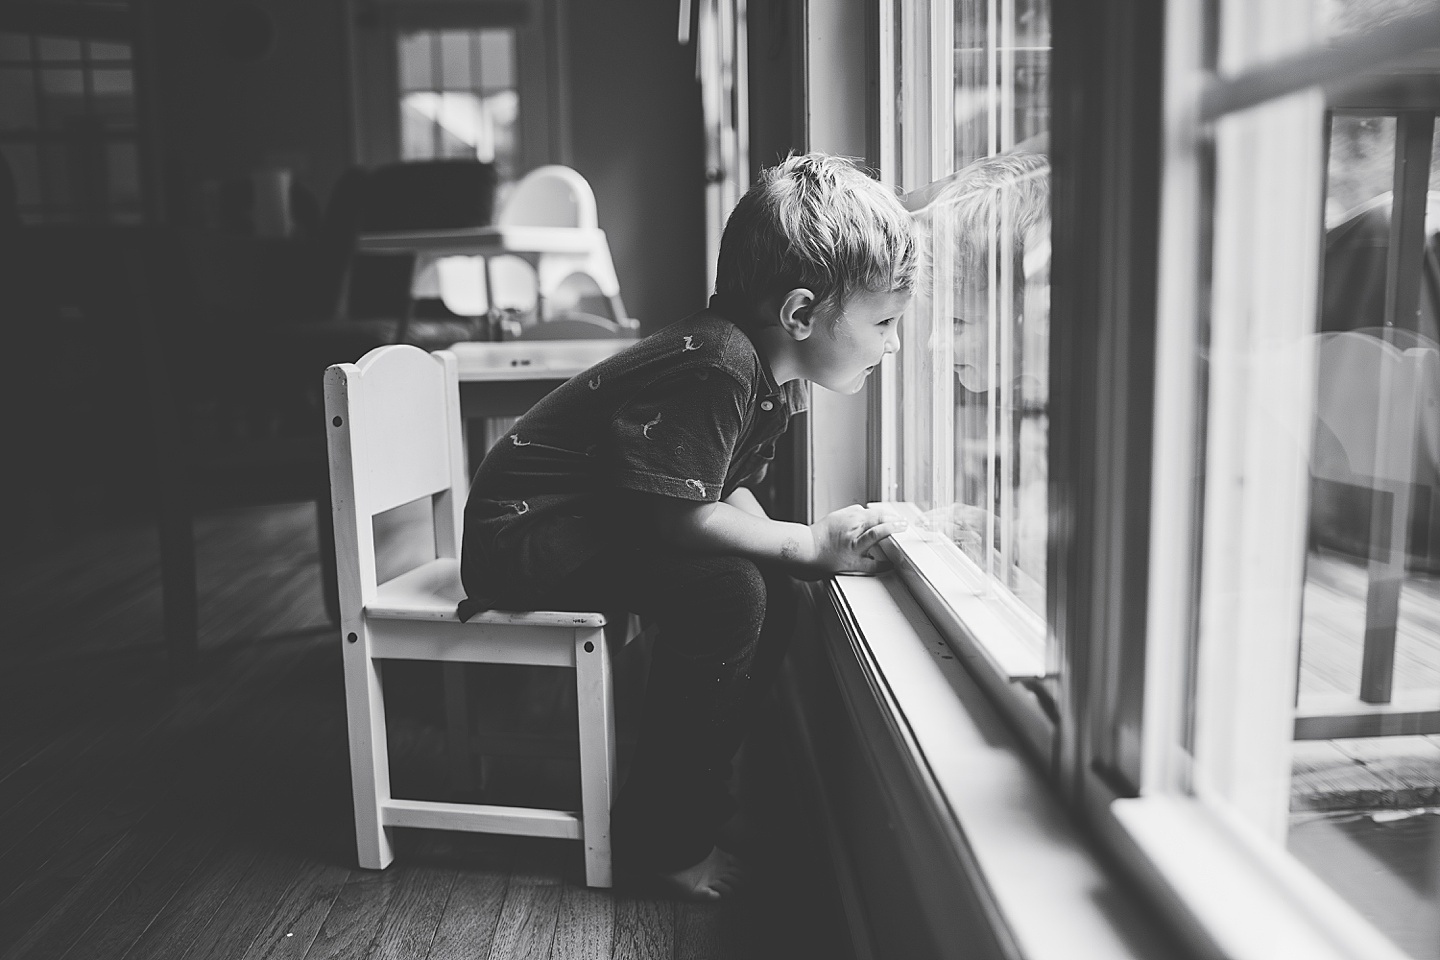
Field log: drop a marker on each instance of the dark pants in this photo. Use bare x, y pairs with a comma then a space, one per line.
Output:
723, 624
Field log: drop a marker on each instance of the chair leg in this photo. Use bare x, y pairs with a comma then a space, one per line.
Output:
457, 722
597, 751
369, 751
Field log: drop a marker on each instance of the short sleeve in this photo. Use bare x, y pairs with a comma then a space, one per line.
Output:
677, 436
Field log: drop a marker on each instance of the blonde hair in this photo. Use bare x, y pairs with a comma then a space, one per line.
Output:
820, 222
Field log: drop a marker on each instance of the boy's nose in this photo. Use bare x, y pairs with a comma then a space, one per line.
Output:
892, 342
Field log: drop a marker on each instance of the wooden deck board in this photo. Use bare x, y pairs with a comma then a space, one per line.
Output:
1377, 771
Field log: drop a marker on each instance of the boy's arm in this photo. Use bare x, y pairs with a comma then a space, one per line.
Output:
744, 499
842, 542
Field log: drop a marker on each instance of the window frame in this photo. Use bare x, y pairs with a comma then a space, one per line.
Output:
996, 632
372, 35
1187, 838
80, 190
1134, 91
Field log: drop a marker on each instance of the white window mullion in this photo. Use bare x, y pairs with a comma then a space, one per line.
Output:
942, 160
992, 55
1003, 398
1175, 454
1269, 181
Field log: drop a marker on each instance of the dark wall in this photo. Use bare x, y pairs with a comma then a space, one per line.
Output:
226, 110
633, 104
777, 81
637, 137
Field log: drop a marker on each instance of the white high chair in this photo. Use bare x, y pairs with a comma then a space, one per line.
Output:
558, 200
395, 437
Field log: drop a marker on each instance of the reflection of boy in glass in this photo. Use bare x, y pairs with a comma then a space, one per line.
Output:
989, 224
993, 206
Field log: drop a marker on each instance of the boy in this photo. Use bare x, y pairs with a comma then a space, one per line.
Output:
626, 488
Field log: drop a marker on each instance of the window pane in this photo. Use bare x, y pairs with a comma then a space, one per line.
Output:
417, 130
1362, 163
62, 97
416, 69
108, 51
975, 371
475, 110
455, 70
462, 124
59, 49
113, 97
497, 59
1371, 592
1317, 672
15, 47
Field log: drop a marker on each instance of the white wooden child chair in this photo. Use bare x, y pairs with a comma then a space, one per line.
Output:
395, 437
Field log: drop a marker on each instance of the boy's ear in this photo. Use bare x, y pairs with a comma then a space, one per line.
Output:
797, 313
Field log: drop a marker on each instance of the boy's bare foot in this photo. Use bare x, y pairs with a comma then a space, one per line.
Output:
718, 875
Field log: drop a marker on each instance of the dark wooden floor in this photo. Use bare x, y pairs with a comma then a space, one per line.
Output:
211, 818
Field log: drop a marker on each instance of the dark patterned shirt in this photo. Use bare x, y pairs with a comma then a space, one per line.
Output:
690, 412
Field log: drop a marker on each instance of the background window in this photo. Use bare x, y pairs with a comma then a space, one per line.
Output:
459, 96
68, 128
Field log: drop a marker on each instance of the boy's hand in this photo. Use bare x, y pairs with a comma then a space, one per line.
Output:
848, 541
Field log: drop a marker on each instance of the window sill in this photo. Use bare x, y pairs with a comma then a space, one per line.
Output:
1040, 883
1221, 892
1005, 653
1238, 896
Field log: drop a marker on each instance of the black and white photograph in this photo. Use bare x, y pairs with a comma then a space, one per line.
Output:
720, 480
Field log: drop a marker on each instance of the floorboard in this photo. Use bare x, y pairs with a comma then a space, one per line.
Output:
527, 918
585, 929
644, 929
210, 819
472, 914
124, 919
294, 925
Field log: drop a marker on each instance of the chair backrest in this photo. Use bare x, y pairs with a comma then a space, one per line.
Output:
394, 437
1365, 386
550, 196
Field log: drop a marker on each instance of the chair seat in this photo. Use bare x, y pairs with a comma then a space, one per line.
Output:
432, 590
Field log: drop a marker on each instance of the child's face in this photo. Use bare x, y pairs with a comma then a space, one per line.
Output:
842, 350
972, 335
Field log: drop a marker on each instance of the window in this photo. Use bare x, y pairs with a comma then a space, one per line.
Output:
1291, 626
1229, 613
68, 128
459, 96
721, 51
965, 408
